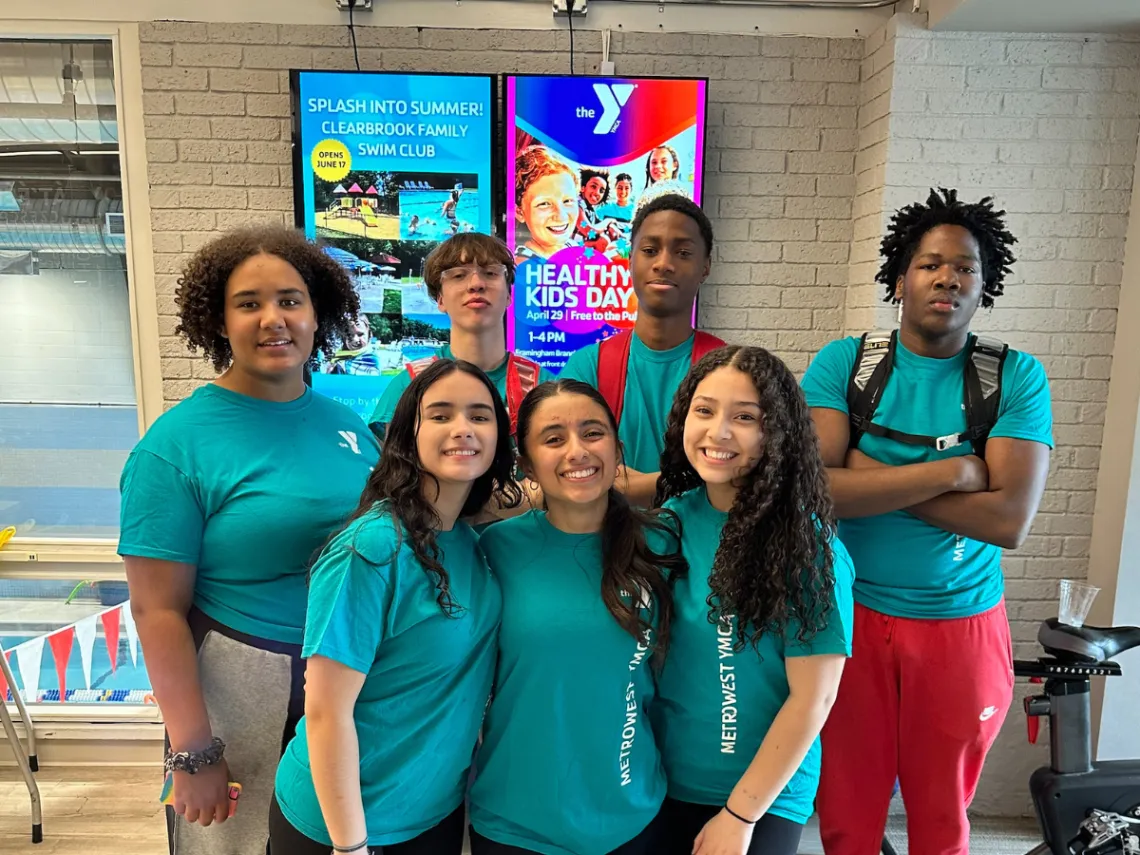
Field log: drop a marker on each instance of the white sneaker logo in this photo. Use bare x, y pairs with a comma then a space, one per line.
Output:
987, 714
349, 441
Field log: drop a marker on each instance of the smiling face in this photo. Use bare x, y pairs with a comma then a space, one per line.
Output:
549, 209
668, 264
358, 337
723, 437
624, 188
457, 434
661, 165
594, 190
571, 450
943, 285
269, 320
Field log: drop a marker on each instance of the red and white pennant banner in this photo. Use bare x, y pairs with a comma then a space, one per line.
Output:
29, 654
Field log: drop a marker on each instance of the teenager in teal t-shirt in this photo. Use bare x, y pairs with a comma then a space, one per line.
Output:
225, 500
672, 242
749, 682
401, 636
925, 526
568, 763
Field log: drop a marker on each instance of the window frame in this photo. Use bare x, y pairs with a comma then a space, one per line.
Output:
64, 557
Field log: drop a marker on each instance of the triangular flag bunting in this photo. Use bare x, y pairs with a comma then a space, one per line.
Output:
111, 634
132, 632
4, 683
61, 643
29, 655
85, 632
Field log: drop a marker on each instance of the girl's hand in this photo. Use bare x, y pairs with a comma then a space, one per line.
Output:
724, 834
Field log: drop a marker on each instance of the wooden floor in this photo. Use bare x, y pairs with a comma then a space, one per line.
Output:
91, 810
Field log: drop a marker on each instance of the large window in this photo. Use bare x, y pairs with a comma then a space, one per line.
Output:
68, 404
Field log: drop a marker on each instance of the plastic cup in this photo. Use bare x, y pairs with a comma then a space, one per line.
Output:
1076, 600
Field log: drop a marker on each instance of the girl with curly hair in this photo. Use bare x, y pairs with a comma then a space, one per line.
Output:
401, 635
762, 623
568, 762
225, 499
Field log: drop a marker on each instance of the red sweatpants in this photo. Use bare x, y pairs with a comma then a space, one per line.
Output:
920, 700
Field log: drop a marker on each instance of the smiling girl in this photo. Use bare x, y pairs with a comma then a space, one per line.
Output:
400, 637
763, 620
569, 765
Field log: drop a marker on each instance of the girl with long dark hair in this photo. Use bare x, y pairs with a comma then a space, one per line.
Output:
400, 637
762, 623
569, 764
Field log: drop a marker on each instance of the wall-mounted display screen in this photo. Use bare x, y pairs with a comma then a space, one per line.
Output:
582, 154
385, 167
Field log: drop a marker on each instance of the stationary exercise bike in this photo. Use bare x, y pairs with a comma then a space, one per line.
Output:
1084, 807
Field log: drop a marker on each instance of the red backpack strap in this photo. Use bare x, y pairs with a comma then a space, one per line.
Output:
417, 365
522, 376
613, 364
704, 343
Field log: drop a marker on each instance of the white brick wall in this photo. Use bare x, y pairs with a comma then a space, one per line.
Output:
812, 144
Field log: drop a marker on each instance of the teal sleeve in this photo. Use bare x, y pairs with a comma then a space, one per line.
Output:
386, 406
825, 383
349, 597
160, 515
1026, 410
545, 374
835, 638
582, 365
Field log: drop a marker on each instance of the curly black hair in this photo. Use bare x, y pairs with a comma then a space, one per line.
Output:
909, 224
201, 294
774, 562
396, 484
628, 561
680, 204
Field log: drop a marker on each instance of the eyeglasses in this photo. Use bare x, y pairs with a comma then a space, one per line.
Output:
462, 275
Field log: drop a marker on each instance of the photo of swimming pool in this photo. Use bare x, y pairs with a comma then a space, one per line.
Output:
426, 207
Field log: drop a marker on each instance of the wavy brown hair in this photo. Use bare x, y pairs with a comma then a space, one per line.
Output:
628, 562
774, 562
396, 484
201, 294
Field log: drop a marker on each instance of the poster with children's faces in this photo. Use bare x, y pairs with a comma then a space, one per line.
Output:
583, 154
386, 167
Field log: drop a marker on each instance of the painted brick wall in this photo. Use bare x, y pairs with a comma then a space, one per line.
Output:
779, 172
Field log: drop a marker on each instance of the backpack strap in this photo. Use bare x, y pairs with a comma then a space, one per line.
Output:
873, 363
982, 390
703, 343
417, 365
522, 376
613, 364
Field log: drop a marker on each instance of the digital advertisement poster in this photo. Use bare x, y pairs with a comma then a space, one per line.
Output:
583, 153
386, 167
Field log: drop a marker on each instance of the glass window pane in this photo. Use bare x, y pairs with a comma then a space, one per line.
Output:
49, 627
67, 395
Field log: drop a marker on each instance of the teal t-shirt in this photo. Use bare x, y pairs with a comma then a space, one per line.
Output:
247, 491
715, 705
904, 566
617, 212
372, 607
568, 764
386, 406
651, 381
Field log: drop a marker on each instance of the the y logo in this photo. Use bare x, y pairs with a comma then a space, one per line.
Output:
613, 98
349, 441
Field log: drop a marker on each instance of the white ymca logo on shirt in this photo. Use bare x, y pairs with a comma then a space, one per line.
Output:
350, 441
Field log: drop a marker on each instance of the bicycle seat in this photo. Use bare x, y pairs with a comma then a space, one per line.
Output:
1086, 643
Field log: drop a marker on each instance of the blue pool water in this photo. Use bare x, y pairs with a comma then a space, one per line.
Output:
428, 205
126, 677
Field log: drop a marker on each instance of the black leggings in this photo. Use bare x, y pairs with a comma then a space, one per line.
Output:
445, 839
643, 844
681, 822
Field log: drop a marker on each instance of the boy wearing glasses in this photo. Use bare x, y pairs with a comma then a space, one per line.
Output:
470, 276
